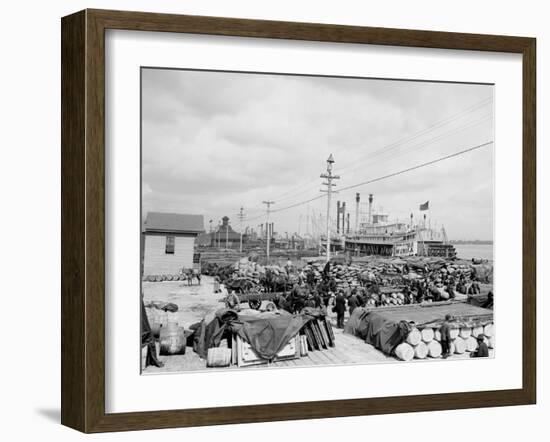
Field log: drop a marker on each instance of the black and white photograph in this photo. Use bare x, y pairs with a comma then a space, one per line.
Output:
299, 221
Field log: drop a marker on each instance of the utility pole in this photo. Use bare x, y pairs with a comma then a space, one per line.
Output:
241, 219
329, 177
226, 234
268, 226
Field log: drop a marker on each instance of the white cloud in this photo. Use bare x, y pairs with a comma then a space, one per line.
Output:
213, 142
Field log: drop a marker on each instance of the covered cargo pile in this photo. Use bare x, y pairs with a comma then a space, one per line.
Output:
413, 331
266, 333
395, 271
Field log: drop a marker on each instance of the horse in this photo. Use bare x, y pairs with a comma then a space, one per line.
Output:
190, 274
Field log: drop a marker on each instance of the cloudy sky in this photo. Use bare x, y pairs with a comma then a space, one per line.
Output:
215, 141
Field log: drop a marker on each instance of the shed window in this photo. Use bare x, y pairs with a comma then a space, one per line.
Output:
170, 244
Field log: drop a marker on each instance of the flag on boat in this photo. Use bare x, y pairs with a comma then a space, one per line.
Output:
425, 206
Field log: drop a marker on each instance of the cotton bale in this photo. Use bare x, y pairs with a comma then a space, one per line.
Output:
414, 337
437, 335
459, 346
454, 332
434, 349
489, 330
420, 350
427, 334
465, 332
404, 352
476, 331
471, 344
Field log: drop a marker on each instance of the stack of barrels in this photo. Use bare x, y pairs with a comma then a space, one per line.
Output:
425, 342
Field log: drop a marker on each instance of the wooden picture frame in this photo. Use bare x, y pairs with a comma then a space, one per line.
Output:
83, 220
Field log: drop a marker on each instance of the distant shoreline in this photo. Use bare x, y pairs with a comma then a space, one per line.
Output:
475, 242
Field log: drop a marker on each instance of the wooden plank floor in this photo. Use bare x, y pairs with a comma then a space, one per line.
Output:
348, 350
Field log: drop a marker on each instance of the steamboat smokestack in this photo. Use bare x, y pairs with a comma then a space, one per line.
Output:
338, 209
343, 218
357, 201
370, 208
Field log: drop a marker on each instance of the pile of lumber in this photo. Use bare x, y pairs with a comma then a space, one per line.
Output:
318, 334
220, 257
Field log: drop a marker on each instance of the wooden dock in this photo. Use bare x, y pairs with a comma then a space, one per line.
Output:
348, 350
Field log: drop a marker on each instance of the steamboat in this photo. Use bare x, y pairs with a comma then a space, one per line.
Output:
375, 234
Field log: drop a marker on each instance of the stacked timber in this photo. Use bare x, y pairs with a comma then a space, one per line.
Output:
318, 334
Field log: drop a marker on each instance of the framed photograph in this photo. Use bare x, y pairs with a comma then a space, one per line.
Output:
267, 221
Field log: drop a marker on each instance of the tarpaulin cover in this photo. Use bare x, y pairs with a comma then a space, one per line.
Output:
483, 272
212, 329
483, 301
376, 329
148, 339
267, 332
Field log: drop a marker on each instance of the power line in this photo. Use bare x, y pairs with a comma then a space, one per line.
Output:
429, 141
428, 129
396, 144
456, 154
418, 166
412, 148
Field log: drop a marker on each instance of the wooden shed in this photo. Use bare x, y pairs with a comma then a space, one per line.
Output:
169, 242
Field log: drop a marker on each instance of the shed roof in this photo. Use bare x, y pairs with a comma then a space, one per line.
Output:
174, 222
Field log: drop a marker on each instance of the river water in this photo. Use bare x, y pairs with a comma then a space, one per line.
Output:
469, 251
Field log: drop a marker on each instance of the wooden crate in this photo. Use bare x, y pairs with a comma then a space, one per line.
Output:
245, 354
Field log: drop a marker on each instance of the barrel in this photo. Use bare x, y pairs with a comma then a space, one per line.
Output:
465, 332
172, 339
477, 331
420, 350
454, 332
404, 351
471, 344
459, 346
414, 337
489, 330
434, 349
427, 334
452, 348
218, 357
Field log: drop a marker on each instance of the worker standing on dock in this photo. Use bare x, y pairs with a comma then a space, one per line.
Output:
445, 331
352, 302
340, 309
